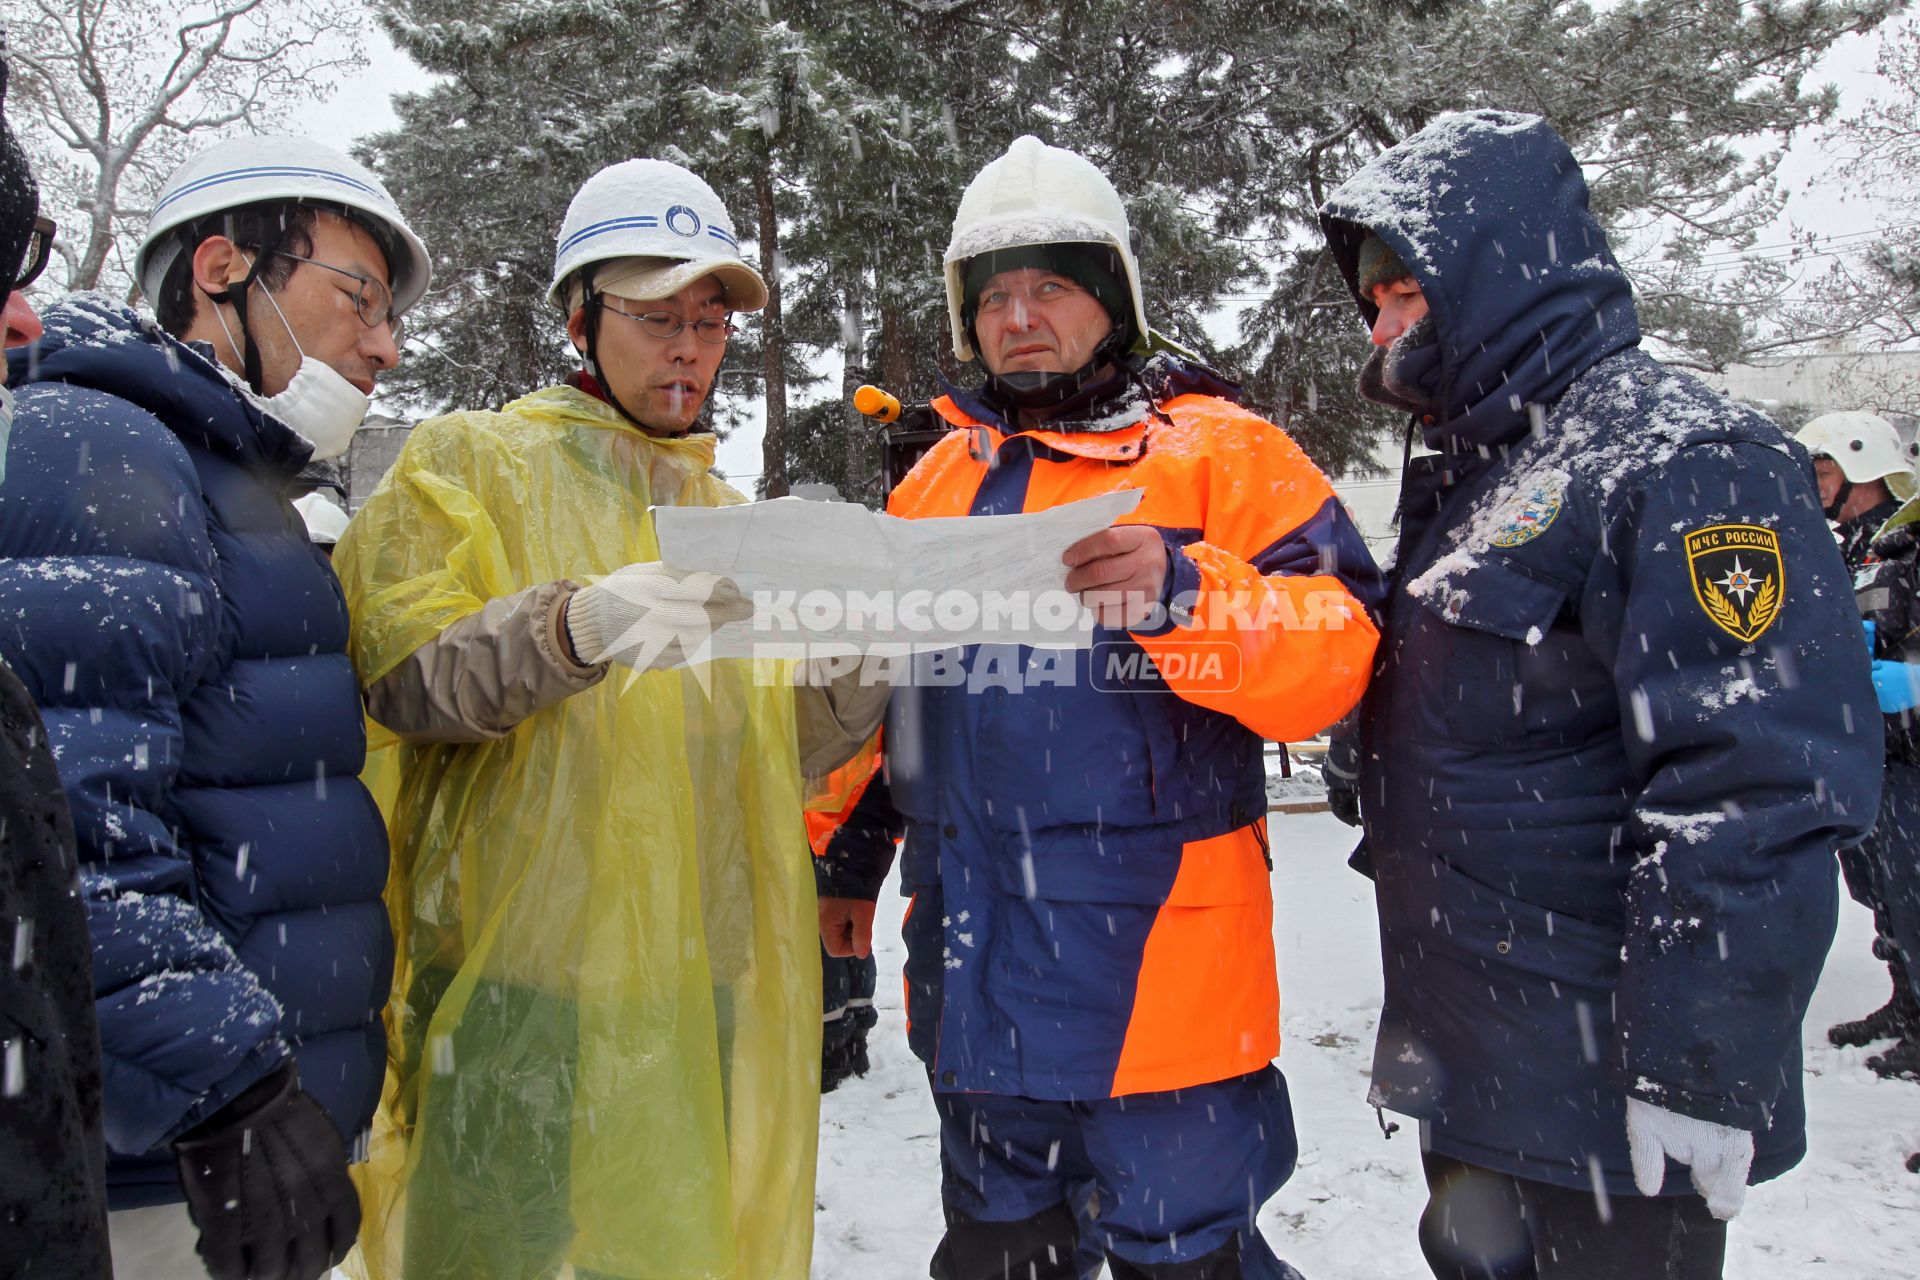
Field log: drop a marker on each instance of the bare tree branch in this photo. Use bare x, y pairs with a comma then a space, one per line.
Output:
113, 94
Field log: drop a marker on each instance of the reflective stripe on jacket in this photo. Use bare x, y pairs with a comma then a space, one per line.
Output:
1086, 838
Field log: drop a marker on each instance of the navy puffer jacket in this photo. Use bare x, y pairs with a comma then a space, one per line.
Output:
1620, 716
187, 648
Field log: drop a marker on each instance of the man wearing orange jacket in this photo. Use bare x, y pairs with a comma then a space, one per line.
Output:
1090, 971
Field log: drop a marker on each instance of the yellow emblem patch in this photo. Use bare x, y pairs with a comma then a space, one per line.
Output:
1738, 577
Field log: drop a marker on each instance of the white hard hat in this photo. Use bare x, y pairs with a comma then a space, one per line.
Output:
1036, 194
325, 520
652, 209
263, 170
1865, 446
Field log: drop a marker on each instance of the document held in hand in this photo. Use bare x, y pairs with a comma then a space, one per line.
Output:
837, 574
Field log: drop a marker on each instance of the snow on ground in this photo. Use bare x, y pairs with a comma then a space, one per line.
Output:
1850, 1210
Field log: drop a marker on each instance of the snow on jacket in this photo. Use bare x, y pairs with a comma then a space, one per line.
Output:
1620, 718
187, 647
1086, 839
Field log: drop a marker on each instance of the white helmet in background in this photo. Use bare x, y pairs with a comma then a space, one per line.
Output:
1865, 446
324, 518
1036, 195
663, 215
265, 170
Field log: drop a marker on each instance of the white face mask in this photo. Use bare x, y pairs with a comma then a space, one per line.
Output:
6, 428
321, 406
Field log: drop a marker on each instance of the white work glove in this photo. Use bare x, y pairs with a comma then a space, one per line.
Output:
1717, 1155
650, 617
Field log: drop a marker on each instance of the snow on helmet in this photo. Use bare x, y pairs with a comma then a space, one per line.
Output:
1036, 194
654, 209
263, 170
1865, 446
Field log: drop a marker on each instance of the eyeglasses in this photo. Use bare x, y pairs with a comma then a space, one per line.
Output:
39, 249
659, 324
372, 301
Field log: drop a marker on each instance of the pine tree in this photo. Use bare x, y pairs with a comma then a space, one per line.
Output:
842, 134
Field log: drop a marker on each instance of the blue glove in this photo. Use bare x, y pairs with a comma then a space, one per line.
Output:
1897, 685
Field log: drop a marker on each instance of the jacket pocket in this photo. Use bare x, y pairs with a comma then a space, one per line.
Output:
1486, 627
1071, 754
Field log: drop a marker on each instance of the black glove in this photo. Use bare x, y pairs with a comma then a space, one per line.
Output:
1344, 803
1340, 771
266, 1183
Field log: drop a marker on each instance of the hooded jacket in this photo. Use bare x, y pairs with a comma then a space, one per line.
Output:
1086, 837
187, 647
1612, 735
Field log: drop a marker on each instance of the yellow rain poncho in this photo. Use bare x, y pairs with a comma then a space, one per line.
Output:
604, 1035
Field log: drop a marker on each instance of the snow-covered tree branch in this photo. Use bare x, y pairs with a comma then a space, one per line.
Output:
110, 95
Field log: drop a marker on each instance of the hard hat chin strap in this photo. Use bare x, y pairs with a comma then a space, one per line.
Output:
1063, 392
236, 296
1845, 491
590, 299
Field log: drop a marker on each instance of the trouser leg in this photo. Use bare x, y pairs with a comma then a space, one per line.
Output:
1883, 875
1899, 877
1474, 1226
1182, 1176
1638, 1237
490, 1197
1006, 1165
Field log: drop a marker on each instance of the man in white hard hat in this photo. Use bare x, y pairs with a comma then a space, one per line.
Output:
606, 1003
187, 646
1090, 969
1862, 466
1865, 472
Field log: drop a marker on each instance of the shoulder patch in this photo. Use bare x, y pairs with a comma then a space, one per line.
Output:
1738, 577
1529, 517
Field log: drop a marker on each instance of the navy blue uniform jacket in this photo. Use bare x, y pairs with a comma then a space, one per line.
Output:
187, 648
1620, 717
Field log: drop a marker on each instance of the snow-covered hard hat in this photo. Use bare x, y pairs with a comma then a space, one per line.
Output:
266, 170
1036, 195
664, 218
1865, 446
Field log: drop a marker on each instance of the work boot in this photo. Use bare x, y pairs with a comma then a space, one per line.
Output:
843, 1062
1899, 1016
1902, 1062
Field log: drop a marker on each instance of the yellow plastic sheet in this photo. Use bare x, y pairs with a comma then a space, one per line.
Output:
604, 1036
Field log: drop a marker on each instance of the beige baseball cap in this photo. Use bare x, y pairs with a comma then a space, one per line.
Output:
651, 279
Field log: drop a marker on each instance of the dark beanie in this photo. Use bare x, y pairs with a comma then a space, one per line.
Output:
1379, 265
19, 196
1094, 267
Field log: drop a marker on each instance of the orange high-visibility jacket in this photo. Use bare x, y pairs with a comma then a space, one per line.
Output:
1086, 843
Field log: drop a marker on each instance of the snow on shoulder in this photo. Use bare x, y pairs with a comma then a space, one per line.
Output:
1586, 448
